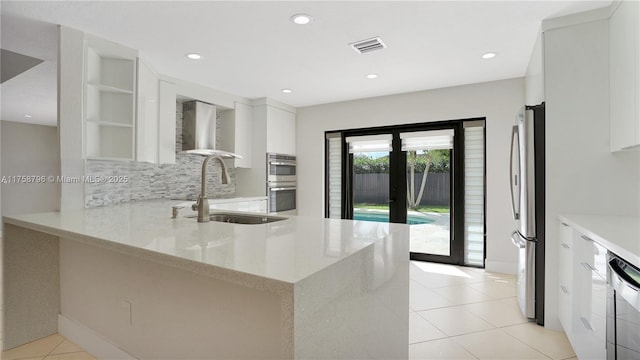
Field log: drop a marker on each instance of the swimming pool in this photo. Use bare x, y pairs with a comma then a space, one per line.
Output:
384, 217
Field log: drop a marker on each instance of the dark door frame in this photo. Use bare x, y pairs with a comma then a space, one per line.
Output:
397, 181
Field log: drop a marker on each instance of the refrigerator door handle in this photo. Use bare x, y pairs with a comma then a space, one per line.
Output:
514, 134
517, 241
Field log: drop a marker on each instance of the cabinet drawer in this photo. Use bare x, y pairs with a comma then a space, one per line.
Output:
565, 276
590, 255
565, 308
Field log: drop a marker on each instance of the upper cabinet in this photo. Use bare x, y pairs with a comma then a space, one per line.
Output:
109, 101
147, 113
166, 122
281, 131
624, 40
236, 134
124, 106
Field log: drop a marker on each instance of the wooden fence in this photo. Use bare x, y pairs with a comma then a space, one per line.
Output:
374, 188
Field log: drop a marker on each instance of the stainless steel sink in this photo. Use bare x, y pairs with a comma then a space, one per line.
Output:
245, 219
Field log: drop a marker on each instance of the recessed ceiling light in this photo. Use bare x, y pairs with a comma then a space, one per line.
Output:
287, 91
489, 55
27, 115
301, 19
372, 76
194, 56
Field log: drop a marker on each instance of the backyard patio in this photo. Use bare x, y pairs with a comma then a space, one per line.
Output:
429, 231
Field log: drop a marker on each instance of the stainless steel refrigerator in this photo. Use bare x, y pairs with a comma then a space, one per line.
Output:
527, 200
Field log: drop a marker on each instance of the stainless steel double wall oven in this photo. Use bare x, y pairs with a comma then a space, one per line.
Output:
281, 183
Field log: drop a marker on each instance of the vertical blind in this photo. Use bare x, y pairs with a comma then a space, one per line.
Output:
334, 159
474, 193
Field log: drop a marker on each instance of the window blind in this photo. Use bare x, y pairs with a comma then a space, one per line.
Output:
369, 143
334, 158
474, 194
427, 140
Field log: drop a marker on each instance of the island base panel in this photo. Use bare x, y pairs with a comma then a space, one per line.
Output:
152, 310
30, 291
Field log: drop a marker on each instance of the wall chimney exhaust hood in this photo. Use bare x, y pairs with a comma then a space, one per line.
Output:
199, 130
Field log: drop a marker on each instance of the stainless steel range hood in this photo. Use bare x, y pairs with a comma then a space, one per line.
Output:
199, 130
198, 126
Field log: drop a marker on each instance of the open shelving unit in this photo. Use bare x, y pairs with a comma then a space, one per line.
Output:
109, 112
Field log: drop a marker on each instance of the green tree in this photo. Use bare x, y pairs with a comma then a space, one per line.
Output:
423, 163
366, 164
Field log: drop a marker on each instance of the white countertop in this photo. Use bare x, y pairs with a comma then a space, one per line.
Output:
619, 234
286, 251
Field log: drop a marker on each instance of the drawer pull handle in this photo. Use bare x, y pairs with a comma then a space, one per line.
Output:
564, 289
586, 324
587, 266
564, 224
564, 245
585, 237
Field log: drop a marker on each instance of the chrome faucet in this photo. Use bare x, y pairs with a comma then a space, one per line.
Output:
202, 205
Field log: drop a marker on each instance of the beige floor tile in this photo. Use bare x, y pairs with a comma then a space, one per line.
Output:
497, 289
461, 294
36, 348
496, 344
455, 321
71, 356
421, 330
432, 281
421, 298
66, 347
439, 349
499, 313
491, 276
551, 343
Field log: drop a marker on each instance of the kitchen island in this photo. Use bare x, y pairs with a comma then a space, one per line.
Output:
150, 286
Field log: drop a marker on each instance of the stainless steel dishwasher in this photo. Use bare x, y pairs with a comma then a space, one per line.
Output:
623, 309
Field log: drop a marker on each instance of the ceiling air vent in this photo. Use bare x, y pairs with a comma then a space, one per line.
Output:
368, 45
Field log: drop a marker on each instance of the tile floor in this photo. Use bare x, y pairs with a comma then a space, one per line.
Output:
54, 347
468, 313
455, 313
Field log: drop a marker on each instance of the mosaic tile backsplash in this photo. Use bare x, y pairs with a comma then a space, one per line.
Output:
157, 181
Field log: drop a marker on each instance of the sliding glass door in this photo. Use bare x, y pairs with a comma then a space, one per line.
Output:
429, 157
412, 174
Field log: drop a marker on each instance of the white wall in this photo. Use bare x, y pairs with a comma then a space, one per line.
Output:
582, 175
534, 77
498, 101
30, 150
70, 95
1, 173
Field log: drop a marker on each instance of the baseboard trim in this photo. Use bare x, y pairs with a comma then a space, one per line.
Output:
501, 267
89, 340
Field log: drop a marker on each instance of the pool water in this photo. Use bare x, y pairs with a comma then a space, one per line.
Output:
383, 217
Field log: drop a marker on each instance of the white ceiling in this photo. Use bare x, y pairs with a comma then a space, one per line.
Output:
251, 49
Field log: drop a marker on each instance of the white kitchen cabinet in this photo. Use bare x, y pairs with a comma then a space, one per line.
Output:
583, 290
624, 64
237, 133
109, 101
129, 114
281, 131
565, 277
273, 130
166, 122
147, 125
590, 299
